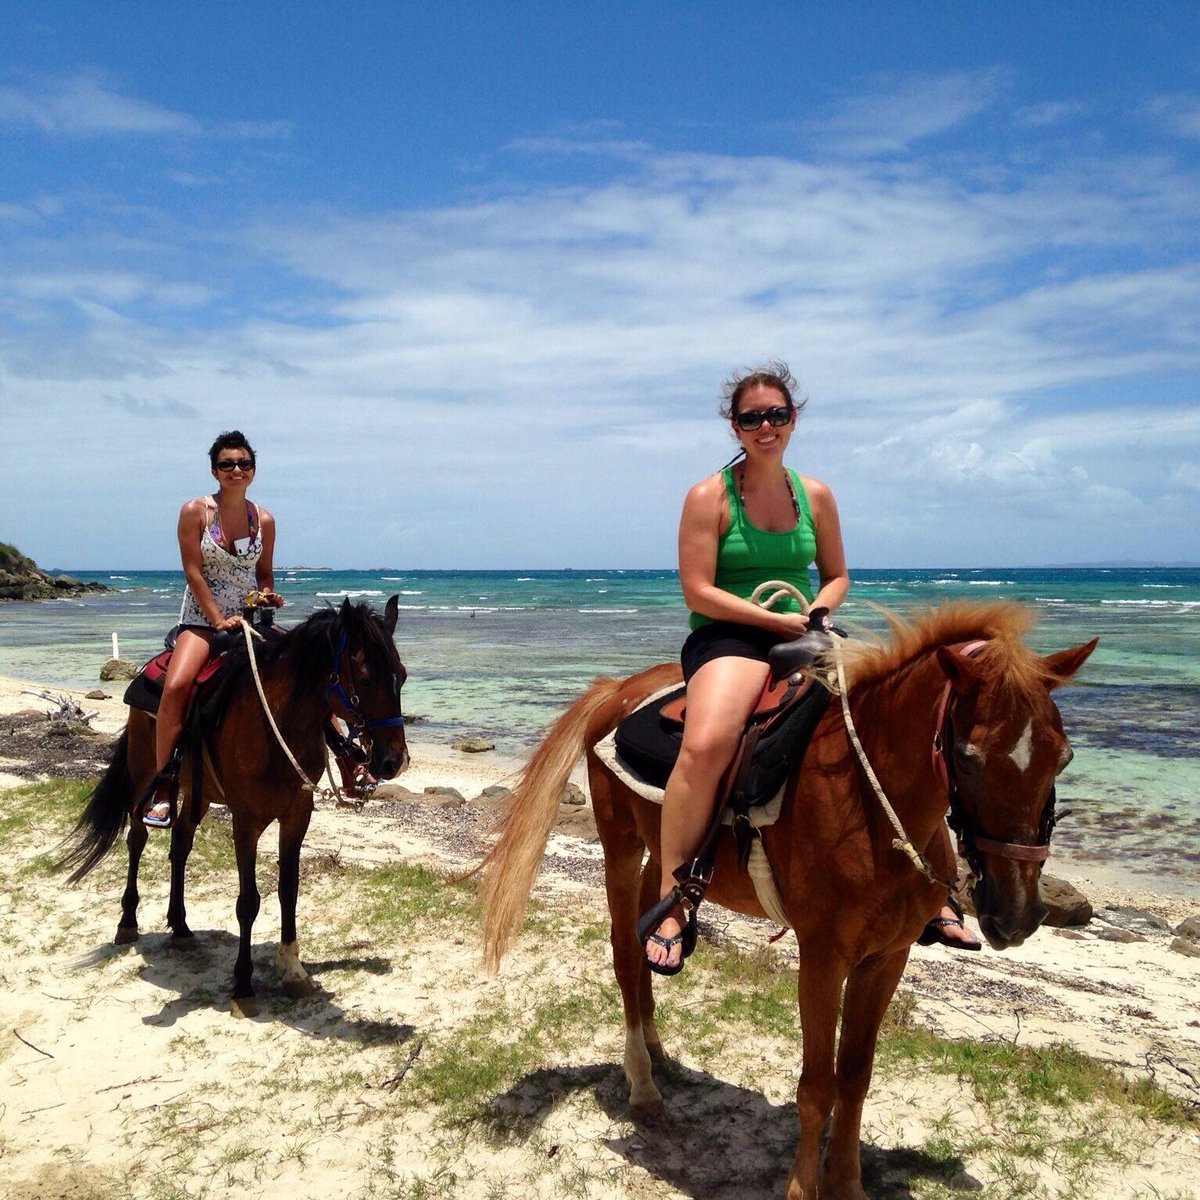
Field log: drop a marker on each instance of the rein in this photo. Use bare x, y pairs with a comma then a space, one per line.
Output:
902, 841
350, 702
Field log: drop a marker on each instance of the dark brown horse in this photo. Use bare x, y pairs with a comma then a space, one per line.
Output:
339, 661
855, 903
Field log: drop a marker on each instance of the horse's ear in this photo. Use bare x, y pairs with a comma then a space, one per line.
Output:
346, 609
1061, 666
964, 673
390, 612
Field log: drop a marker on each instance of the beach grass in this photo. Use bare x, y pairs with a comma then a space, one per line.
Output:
1045, 1122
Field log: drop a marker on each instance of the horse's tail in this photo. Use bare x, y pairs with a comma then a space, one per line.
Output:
511, 865
103, 818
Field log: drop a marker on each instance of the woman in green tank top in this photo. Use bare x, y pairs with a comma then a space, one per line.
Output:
756, 520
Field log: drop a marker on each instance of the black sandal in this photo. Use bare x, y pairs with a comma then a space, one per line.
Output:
649, 922
932, 934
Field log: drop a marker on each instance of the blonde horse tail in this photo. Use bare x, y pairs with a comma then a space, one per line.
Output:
511, 865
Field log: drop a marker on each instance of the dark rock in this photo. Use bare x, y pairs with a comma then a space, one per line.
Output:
1069, 907
118, 668
1134, 919
1069, 933
473, 745
444, 797
96, 694
395, 792
1189, 928
496, 791
1112, 933
578, 822
573, 796
1183, 945
20, 579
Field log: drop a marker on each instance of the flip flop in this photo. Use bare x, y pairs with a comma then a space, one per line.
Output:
649, 922
932, 934
158, 820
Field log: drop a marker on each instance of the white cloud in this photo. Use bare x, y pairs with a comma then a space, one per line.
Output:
984, 357
88, 104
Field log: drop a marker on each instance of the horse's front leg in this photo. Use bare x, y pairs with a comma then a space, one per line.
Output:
183, 836
296, 981
135, 843
819, 988
868, 993
245, 842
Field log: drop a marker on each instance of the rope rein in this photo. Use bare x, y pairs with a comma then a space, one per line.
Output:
333, 793
901, 841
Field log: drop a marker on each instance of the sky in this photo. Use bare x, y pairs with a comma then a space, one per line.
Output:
470, 275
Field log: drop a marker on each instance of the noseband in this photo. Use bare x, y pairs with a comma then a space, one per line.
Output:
971, 842
350, 703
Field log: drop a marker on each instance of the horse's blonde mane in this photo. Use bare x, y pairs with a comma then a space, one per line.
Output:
1001, 623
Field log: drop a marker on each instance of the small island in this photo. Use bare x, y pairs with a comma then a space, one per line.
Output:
22, 579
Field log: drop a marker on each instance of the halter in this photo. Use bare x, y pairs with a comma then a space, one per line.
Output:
972, 843
351, 705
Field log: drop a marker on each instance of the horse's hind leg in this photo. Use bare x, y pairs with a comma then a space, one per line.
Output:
245, 842
127, 927
623, 853
296, 981
868, 992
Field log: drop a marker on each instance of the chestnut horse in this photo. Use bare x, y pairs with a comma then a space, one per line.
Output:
856, 905
339, 662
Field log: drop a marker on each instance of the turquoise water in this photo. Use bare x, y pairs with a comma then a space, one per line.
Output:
499, 653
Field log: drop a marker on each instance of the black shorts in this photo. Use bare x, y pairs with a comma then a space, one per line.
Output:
725, 639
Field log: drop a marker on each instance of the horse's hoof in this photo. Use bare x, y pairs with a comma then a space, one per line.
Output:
299, 989
126, 936
245, 1006
648, 1112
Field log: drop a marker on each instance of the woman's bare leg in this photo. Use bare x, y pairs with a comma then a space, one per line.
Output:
189, 655
720, 697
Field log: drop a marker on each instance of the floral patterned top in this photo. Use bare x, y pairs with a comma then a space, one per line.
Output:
229, 574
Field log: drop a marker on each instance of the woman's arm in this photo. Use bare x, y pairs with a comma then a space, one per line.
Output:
831, 556
264, 573
704, 513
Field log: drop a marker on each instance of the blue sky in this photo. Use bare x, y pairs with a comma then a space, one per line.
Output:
470, 275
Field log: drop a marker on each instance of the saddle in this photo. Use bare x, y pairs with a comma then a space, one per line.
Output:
772, 745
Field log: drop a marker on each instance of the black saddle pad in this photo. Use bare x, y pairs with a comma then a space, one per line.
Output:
649, 743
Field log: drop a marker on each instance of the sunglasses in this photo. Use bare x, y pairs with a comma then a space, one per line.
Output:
752, 418
242, 464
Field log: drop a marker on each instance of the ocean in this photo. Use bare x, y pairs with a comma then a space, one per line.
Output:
498, 654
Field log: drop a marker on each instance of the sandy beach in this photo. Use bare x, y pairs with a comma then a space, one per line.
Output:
115, 1058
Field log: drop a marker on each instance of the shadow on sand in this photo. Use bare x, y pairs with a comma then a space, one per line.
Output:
198, 975
719, 1141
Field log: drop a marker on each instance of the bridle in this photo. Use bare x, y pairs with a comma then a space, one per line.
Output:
972, 844
350, 703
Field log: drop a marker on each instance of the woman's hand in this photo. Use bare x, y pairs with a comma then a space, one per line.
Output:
793, 625
229, 622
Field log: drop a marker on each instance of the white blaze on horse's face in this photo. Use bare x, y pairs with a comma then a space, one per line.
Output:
1022, 752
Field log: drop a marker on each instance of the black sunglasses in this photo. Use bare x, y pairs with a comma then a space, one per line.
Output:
242, 464
752, 418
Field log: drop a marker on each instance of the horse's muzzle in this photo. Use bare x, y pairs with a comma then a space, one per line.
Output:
1007, 917
387, 761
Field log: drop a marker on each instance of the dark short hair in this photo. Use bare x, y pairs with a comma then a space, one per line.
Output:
231, 439
772, 374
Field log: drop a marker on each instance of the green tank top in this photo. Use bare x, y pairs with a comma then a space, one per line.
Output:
748, 556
